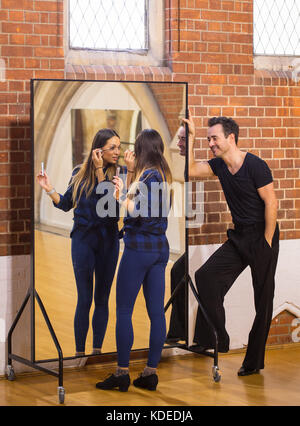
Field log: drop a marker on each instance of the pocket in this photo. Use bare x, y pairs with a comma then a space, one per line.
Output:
266, 242
275, 238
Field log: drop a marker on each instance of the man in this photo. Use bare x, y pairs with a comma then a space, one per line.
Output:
248, 188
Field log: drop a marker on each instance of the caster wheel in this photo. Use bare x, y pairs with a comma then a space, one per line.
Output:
61, 395
216, 374
10, 374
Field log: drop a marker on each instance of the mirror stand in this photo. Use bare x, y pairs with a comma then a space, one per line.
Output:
33, 296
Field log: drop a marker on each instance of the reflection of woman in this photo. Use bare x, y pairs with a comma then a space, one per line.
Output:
95, 240
144, 259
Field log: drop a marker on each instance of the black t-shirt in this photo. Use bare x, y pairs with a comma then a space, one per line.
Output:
240, 189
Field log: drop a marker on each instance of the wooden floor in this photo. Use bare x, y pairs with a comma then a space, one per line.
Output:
55, 284
184, 380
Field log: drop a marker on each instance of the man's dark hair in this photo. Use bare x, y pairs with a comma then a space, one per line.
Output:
228, 124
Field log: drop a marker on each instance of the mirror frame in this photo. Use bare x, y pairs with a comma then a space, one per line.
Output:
34, 295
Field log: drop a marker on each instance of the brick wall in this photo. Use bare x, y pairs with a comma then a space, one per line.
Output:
210, 47
31, 45
282, 328
214, 54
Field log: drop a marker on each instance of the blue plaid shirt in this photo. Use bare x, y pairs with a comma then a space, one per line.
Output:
147, 231
85, 212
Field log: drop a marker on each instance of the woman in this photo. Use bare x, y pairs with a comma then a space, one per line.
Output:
95, 239
145, 257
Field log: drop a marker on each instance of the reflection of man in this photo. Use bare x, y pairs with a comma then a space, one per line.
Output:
181, 135
177, 321
248, 188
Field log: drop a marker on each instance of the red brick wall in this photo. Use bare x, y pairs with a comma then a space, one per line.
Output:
215, 56
31, 40
281, 329
210, 47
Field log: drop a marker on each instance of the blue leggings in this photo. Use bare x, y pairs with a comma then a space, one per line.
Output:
95, 251
137, 267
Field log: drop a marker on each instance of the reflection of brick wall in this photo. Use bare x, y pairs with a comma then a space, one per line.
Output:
170, 101
281, 329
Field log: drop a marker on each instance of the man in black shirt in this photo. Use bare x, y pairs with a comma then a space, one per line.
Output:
248, 188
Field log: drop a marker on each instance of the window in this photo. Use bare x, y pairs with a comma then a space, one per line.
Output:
114, 32
108, 24
277, 27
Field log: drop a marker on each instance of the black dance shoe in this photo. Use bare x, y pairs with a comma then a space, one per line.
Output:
172, 340
122, 382
146, 382
246, 372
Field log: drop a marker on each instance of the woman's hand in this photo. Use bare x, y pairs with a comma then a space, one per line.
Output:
44, 181
97, 158
119, 186
129, 158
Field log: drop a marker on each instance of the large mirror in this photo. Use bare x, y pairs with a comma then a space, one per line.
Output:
66, 116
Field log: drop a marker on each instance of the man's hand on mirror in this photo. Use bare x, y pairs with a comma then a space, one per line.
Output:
191, 126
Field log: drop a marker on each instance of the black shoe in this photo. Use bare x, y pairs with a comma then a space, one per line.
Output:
122, 382
146, 382
246, 372
172, 340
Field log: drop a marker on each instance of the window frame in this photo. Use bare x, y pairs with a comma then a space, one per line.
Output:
272, 61
152, 56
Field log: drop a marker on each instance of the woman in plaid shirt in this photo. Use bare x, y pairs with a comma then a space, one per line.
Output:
145, 256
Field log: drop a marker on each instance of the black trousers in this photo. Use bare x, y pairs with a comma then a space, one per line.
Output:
177, 328
246, 246
177, 319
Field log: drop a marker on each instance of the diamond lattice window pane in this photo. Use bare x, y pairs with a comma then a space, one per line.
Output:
108, 24
277, 27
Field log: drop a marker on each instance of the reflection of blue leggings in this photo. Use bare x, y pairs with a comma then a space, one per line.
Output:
94, 251
137, 267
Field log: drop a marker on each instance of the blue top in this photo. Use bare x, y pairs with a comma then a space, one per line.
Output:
86, 212
145, 227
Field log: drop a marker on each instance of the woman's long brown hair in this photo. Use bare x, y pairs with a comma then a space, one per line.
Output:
85, 178
149, 154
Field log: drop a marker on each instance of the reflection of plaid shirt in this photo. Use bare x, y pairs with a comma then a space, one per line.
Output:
148, 233
85, 213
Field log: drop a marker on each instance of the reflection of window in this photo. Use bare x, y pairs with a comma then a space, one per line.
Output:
277, 27
86, 122
108, 24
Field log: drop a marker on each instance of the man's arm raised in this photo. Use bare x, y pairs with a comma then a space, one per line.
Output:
197, 169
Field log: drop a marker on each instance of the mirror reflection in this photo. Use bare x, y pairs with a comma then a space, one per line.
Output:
69, 118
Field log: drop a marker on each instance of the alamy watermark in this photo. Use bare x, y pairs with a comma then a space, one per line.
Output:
2, 71
296, 332
178, 200
296, 69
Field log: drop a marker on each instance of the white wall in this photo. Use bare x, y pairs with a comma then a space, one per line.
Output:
14, 283
239, 301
